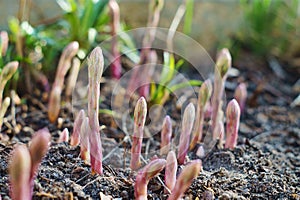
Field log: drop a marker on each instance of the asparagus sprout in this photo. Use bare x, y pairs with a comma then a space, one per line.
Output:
203, 99
75, 137
144, 175
185, 179
3, 43
3, 109
95, 70
140, 113
116, 67
19, 171
233, 113
222, 66
64, 136
24, 165
187, 125
7, 72
240, 95
166, 134
63, 66
171, 170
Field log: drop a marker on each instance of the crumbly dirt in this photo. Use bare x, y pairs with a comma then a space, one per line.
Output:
265, 164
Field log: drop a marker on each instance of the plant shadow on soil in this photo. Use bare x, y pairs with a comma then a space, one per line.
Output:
265, 165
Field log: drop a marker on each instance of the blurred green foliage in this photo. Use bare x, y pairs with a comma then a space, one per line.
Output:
268, 27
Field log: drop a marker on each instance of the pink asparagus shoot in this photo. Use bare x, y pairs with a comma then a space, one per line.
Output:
3, 43
222, 66
95, 69
166, 135
63, 66
233, 113
221, 133
171, 170
19, 172
155, 6
84, 141
75, 137
71, 82
7, 72
190, 172
24, 165
64, 136
187, 125
140, 113
116, 67
240, 95
200, 152
144, 175
148, 71
203, 100
38, 148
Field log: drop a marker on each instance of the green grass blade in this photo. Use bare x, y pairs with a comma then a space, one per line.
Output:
188, 19
185, 84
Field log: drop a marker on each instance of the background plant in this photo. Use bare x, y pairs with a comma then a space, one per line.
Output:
91, 16
265, 31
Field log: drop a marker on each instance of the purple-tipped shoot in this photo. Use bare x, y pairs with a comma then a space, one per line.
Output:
166, 135
75, 137
144, 175
3, 43
171, 170
24, 165
190, 172
233, 113
95, 70
187, 126
63, 66
240, 95
223, 64
140, 113
202, 104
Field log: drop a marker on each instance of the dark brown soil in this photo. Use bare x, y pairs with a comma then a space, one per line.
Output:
265, 165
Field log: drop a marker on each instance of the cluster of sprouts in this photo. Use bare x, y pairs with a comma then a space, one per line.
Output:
192, 127
24, 165
86, 132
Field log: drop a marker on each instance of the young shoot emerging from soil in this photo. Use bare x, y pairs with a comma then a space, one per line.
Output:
7, 72
95, 69
185, 179
203, 101
233, 113
144, 175
187, 125
24, 165
223, 64
166, 135
140, 113
64, 65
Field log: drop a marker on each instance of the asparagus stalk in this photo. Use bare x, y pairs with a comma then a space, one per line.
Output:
140, 113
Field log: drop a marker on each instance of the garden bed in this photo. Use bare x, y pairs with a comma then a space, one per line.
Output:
265, 164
